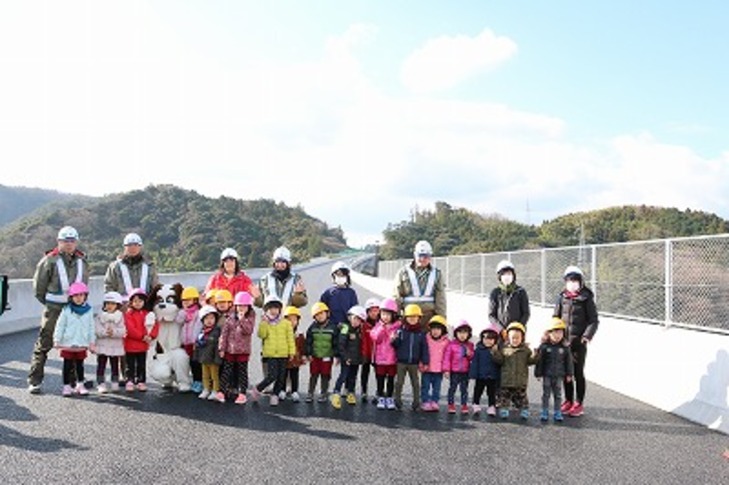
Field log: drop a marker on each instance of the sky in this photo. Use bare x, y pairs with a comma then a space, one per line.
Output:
361, 111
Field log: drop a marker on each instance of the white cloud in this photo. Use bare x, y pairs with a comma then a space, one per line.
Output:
444, 62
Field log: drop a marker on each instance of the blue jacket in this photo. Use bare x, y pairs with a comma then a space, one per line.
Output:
411, 346
339, 300
483, 365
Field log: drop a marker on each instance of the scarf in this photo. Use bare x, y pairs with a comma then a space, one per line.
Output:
79, 309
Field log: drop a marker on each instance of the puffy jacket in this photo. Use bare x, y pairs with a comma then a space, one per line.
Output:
46, 278
110, 345
74, 329
411, 346
206, 347
277, 337
239, 282
139, 323
483, 365
515, 362
191, 326
321, 340
404, 289
436, 351
350, 344
510, 304
555, 360
235, 337
339, 300
381, 335
457, 357
579, 313
114, 281
367, 348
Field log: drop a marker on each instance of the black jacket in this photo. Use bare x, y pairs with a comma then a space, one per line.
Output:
578, 313
508, 306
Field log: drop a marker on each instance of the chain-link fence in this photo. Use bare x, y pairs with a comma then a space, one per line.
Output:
682, 282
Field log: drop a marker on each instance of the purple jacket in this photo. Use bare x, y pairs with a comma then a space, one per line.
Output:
457, 356
236, 335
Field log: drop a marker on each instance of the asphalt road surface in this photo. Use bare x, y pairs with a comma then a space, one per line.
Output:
164, 437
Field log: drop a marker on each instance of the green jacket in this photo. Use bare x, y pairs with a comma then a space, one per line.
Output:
321, 340
278, 338
404, 289
268, 285
46, 279
515, 362
114, 281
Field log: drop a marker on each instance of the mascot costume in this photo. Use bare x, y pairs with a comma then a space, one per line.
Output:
168, 363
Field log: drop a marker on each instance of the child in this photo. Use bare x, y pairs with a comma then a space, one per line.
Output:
350, 351
456, 363
206, 352
320, 350
142, 328
515, 359
110, 332
293, 315
385, 355
372, 306
223, 305
432, 374
235, 348
277, 337
412, 350
189, 331
484, 370
554, 365
74, 333
340, 297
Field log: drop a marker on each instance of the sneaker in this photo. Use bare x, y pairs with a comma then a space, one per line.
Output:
464, 409
451, 409
212, 396
309, 397
364, 399
295, 397
544, 415
282, 395
34, 388
323, 397
102, 388
434, 407
375, 400
196, 387
204, 394
219, 396
81, 389
476, 408
524, 414
576, 410
558, 416
255, 394
390, 403
566, 406
141, 387
504, 413
114, 387
336, 401
491, 410
66, 391
380, 403
130, 386
425, 407
351, 399
241, 399
273, 401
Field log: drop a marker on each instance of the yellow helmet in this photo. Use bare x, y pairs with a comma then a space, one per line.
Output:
438, 320
413, 310
222, 296
516, 326
319, 307
292, 310
190, 293
557, 324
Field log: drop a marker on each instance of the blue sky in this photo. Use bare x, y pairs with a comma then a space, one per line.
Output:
360, 111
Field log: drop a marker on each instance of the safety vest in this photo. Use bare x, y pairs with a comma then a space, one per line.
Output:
419, 295
127, 279
62, 298
287, 290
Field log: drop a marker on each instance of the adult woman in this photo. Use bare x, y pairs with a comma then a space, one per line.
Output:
230, 276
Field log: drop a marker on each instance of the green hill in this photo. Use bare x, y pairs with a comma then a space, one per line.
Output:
182, 230
16, 202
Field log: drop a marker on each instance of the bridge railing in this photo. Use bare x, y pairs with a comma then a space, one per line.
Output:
680, 281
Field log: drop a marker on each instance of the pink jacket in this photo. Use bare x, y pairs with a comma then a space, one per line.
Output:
385, 353
436, 350
457, 356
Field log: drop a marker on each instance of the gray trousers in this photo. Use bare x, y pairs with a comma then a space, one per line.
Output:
412, 371
551, 386
43, 344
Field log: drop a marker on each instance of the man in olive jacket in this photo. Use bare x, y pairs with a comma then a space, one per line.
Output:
132, 269
421, 283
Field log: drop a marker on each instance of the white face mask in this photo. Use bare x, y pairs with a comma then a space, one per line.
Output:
507, 279
572, 286
340, 280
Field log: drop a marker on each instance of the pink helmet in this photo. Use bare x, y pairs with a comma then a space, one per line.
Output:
389, 304
243, 298
491, 327
138, 292
78, 288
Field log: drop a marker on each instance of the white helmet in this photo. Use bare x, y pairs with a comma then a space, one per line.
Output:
112, 297
132, 238
207, 310
340, 266
67, 233
358, 311
282, 253
423, 248
573, 270
503, 265
228, 253
371, 303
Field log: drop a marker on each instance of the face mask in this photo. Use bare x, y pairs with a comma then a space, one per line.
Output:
572, 286
507, 279
340, 280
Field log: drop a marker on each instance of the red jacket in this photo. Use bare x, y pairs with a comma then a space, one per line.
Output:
239, 282
136, 330
367, 347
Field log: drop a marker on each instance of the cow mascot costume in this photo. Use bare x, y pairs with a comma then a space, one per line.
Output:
168, 363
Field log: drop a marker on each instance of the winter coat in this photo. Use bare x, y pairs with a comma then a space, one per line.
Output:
235, 284
47, 281
235, 336
277, 337
298, 360
436, 351
411, 346
515, 362
321, 340
191, 327
114, 281
404, 289
579, 313
74, 329
269, 284
457, 357
508, 304
206, 347
339, 300
555, 360
367, 349
483, 365
139, 323
350, 343
381, 335
110, 345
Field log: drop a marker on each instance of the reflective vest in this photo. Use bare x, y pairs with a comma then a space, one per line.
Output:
127, 279
287, 290
62, 298
419, 295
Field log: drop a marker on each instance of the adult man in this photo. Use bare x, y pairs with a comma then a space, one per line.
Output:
421, 283
282, 282
131, 269
54, 273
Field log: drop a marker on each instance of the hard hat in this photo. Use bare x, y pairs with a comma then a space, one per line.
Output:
438, 320
504, 265
491, 328
243, 298
272, 300
292, 310
282, 254
573, 271
190, 293
228, 253
207, 310
557, 324
113, 297
67, 233
358, 311
132, 238
372, 303
389, 304
138, 292
463, 325
340, 266
77, 288
210, 295
423, 248
413, 310
223, 295
516, 326
319, 307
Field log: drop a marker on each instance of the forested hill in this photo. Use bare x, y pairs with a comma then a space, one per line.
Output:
460, 231
182, 230
18, 201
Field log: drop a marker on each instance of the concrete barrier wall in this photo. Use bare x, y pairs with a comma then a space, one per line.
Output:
685, 372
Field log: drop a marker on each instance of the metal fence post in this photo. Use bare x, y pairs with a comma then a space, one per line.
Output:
668, 281
482, 274
544, 277
593, 270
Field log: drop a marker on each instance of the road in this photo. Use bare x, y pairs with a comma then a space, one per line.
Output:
163, 437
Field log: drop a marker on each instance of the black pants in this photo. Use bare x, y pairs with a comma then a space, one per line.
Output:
579, 354
233, 378
276, 375
365, 377
459, 381
73, 371
385, 385
101, 367
137, 367
292, 376
196, 368
490, 385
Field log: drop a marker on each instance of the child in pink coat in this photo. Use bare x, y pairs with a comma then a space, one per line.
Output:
432, 374
456, 363
385, 354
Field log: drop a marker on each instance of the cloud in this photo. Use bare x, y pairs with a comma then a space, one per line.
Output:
444, 62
